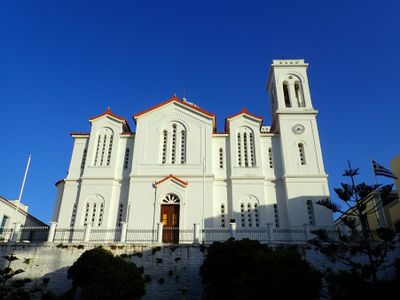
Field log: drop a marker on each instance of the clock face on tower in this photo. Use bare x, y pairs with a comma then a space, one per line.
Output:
298, 129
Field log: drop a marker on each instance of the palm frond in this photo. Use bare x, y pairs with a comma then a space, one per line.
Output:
327, 203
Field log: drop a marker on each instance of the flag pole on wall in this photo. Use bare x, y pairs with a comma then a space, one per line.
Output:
20, 194
381, 213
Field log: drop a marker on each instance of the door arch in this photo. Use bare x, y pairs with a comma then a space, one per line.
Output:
169, 216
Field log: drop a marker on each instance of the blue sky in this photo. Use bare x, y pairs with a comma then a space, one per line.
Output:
62, 62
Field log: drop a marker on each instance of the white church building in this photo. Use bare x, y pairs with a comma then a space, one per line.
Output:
175, 168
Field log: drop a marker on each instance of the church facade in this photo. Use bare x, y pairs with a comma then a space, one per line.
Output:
177, 169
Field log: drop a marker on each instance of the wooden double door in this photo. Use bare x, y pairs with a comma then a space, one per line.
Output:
170, 219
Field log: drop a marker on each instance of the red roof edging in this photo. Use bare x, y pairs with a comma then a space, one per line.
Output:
170, 176
175, 99
245, 112
109, 113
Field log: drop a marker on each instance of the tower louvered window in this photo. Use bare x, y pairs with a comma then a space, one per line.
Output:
286, 94
299, 94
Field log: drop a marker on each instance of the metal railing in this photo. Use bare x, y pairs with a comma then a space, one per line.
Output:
268, 234
69, 235
141, 236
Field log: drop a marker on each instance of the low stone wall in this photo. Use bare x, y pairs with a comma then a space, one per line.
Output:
173, 270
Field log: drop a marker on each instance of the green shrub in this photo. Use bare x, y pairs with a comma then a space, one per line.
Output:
249, 270
101, 275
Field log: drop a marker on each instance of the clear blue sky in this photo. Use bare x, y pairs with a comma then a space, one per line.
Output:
62, 62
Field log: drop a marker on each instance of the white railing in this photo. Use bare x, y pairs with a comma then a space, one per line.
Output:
87, 234
141, 236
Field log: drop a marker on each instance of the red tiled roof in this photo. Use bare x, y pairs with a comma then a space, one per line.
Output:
108, 113
114, 116
177, 100
243, 112
172, 177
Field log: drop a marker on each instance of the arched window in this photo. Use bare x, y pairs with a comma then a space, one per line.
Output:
222, 215
286, 95
271, 163
302, 154
104, 146
171, 199
126, 161
221, 158
299, 94
94, 210
83, 159
175, 151
276, 215
245, 145
310, 211
249, 212
164, 147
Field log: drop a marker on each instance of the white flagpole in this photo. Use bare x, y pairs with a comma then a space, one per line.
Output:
380, 210
20, 194
204, 174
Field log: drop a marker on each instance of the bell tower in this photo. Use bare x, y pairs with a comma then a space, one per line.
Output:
294, 121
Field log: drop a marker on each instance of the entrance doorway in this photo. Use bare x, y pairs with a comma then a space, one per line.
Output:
170, 219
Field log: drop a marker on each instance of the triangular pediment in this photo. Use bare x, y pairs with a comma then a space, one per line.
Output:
174, 179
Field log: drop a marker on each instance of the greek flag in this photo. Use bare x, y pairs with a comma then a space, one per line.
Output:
382, 171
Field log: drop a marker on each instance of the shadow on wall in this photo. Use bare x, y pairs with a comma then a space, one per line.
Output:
170, 271
295, 213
